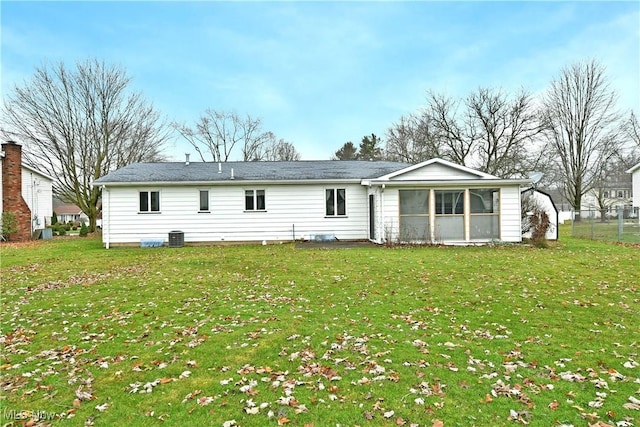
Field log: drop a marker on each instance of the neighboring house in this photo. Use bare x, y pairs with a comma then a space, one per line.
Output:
612, 195
25, 191
545, 202
435, 202
635, 185
70, 213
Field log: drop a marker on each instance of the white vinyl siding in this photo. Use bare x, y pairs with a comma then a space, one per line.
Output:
510, 221
636, 187
37, 193
299, 208
435, 172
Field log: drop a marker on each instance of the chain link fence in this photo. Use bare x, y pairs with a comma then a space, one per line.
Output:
620, 226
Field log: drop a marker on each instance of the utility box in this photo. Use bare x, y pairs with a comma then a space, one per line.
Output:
176, 239
47, 233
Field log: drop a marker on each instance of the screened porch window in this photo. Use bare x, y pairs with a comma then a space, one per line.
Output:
414, 215
449, 215
485, 218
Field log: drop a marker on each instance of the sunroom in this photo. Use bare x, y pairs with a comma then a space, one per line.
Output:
448, 215
440, 202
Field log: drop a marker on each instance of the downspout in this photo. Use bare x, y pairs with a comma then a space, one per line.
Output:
467, 215
382, 224
106, 220
33, 205
431, 200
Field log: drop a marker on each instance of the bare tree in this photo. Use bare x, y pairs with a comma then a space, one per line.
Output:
582, 127
79, 124
504, 130
488, 130
217, 134
411, 140
282, 151
455, 138
632, 129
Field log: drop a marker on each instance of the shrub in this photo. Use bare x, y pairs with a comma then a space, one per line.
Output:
9, 224
540, 223
59, 229
54, 219
536, 221
84, 230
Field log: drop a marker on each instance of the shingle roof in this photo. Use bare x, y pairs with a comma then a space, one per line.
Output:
250, 171
67, 210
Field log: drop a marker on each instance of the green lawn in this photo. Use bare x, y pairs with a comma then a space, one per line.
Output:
269, 335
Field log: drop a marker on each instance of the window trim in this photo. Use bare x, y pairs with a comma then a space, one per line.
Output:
149, 210
426, 215
495, 212
254, 196
336, 213
200, 191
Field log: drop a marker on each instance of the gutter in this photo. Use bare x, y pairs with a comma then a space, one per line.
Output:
235, 182
470, 183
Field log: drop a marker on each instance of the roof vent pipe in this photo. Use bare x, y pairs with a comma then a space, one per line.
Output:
219, 167
232, 177
186, 161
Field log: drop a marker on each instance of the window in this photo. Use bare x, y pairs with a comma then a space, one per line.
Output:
204, 200
149, 201
414, 215
449, 219
484, 209
336, 201
450, 202
254, 200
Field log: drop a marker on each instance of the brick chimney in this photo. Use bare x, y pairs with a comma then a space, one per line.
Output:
12, 200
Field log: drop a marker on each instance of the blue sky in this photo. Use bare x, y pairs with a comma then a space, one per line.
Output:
320, 74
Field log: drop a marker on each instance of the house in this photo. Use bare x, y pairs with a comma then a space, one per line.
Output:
545, 202
435, 202
635, 186
612, 195
25, 191
70, 213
